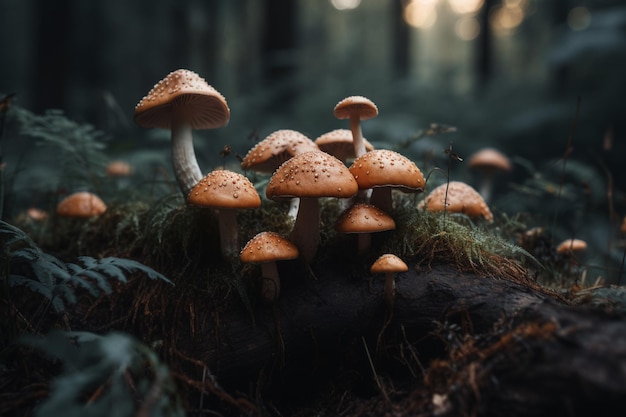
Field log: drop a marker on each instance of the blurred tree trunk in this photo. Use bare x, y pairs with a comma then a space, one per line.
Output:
52, 40
401, 40
559, 74
484, 59
279, 44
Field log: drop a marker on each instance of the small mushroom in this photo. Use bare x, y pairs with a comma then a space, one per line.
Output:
571, 246
389, 264
82, 204
266, 248
488, 162
364, 219
118, 169
384, 170
181, 102
457, 197
356, 108
225, 191
339, 144
276, 148
310, 176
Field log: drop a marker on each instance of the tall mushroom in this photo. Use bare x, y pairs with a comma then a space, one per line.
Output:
488, 161
226, 191
310, 176
384, 170
389, 264
183, 101
356, 108
266, 248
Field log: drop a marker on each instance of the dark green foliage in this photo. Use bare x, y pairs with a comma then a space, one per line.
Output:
110, 375
57, 280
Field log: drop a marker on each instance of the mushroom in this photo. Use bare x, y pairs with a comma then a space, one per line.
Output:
183, 101
266, 248
309, 176
571, 246
82, 204
384, 170
364, 219
267, 155
488, 162
356, 108
457, 197
389, 264
118, 169
339, 144
226, 191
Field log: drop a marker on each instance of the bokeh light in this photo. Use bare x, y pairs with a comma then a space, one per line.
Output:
465, 6
421, 13
345, 4
467, 28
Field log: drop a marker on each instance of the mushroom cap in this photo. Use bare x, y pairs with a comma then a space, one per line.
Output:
386, 168
276, 148
222, 188
571, 245
82, 204
118, 169
312, 174
388, 263
362, 106
204, 107
364, 218
268, 247
461, 198
489, 159
339, 143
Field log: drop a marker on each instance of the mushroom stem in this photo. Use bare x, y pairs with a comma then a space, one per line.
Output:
364, 242
270, 281
357, 135
381, 197
305, 233
294, 204
390, 288
184, 161
486, 187
229, 236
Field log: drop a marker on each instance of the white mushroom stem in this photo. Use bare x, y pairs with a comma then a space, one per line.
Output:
486, 187
390, 288
306, 230
229, 236
357, 135
186, 167
294, 204
270, 281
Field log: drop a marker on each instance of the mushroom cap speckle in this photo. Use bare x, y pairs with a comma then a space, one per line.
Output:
388, 263
224, 189
571, 245
312, 174
460, 198
82, 204
339, 143
364, 218
276, 148
268, 247
204, 107
489, 159
386, 168
359, 105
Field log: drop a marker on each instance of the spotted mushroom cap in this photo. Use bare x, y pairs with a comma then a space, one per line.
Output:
312, 174
363, 106
82, 204
204, 106
388, 263
460, 198
364, 218
339, 143
386, 168
275, 149
268, 247
571, 245
489, 159
224, 189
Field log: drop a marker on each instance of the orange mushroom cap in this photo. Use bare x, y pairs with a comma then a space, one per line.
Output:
571, 245
82, 204
388, 263
460, 198
364, 218
386, 168
355, 105
339, 144
489, 159
275, 149
268, 247
224, 189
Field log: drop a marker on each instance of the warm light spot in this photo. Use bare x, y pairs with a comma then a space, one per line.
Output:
467, 28
421, 13
579, 18
465, 6
345, 4
504, 19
